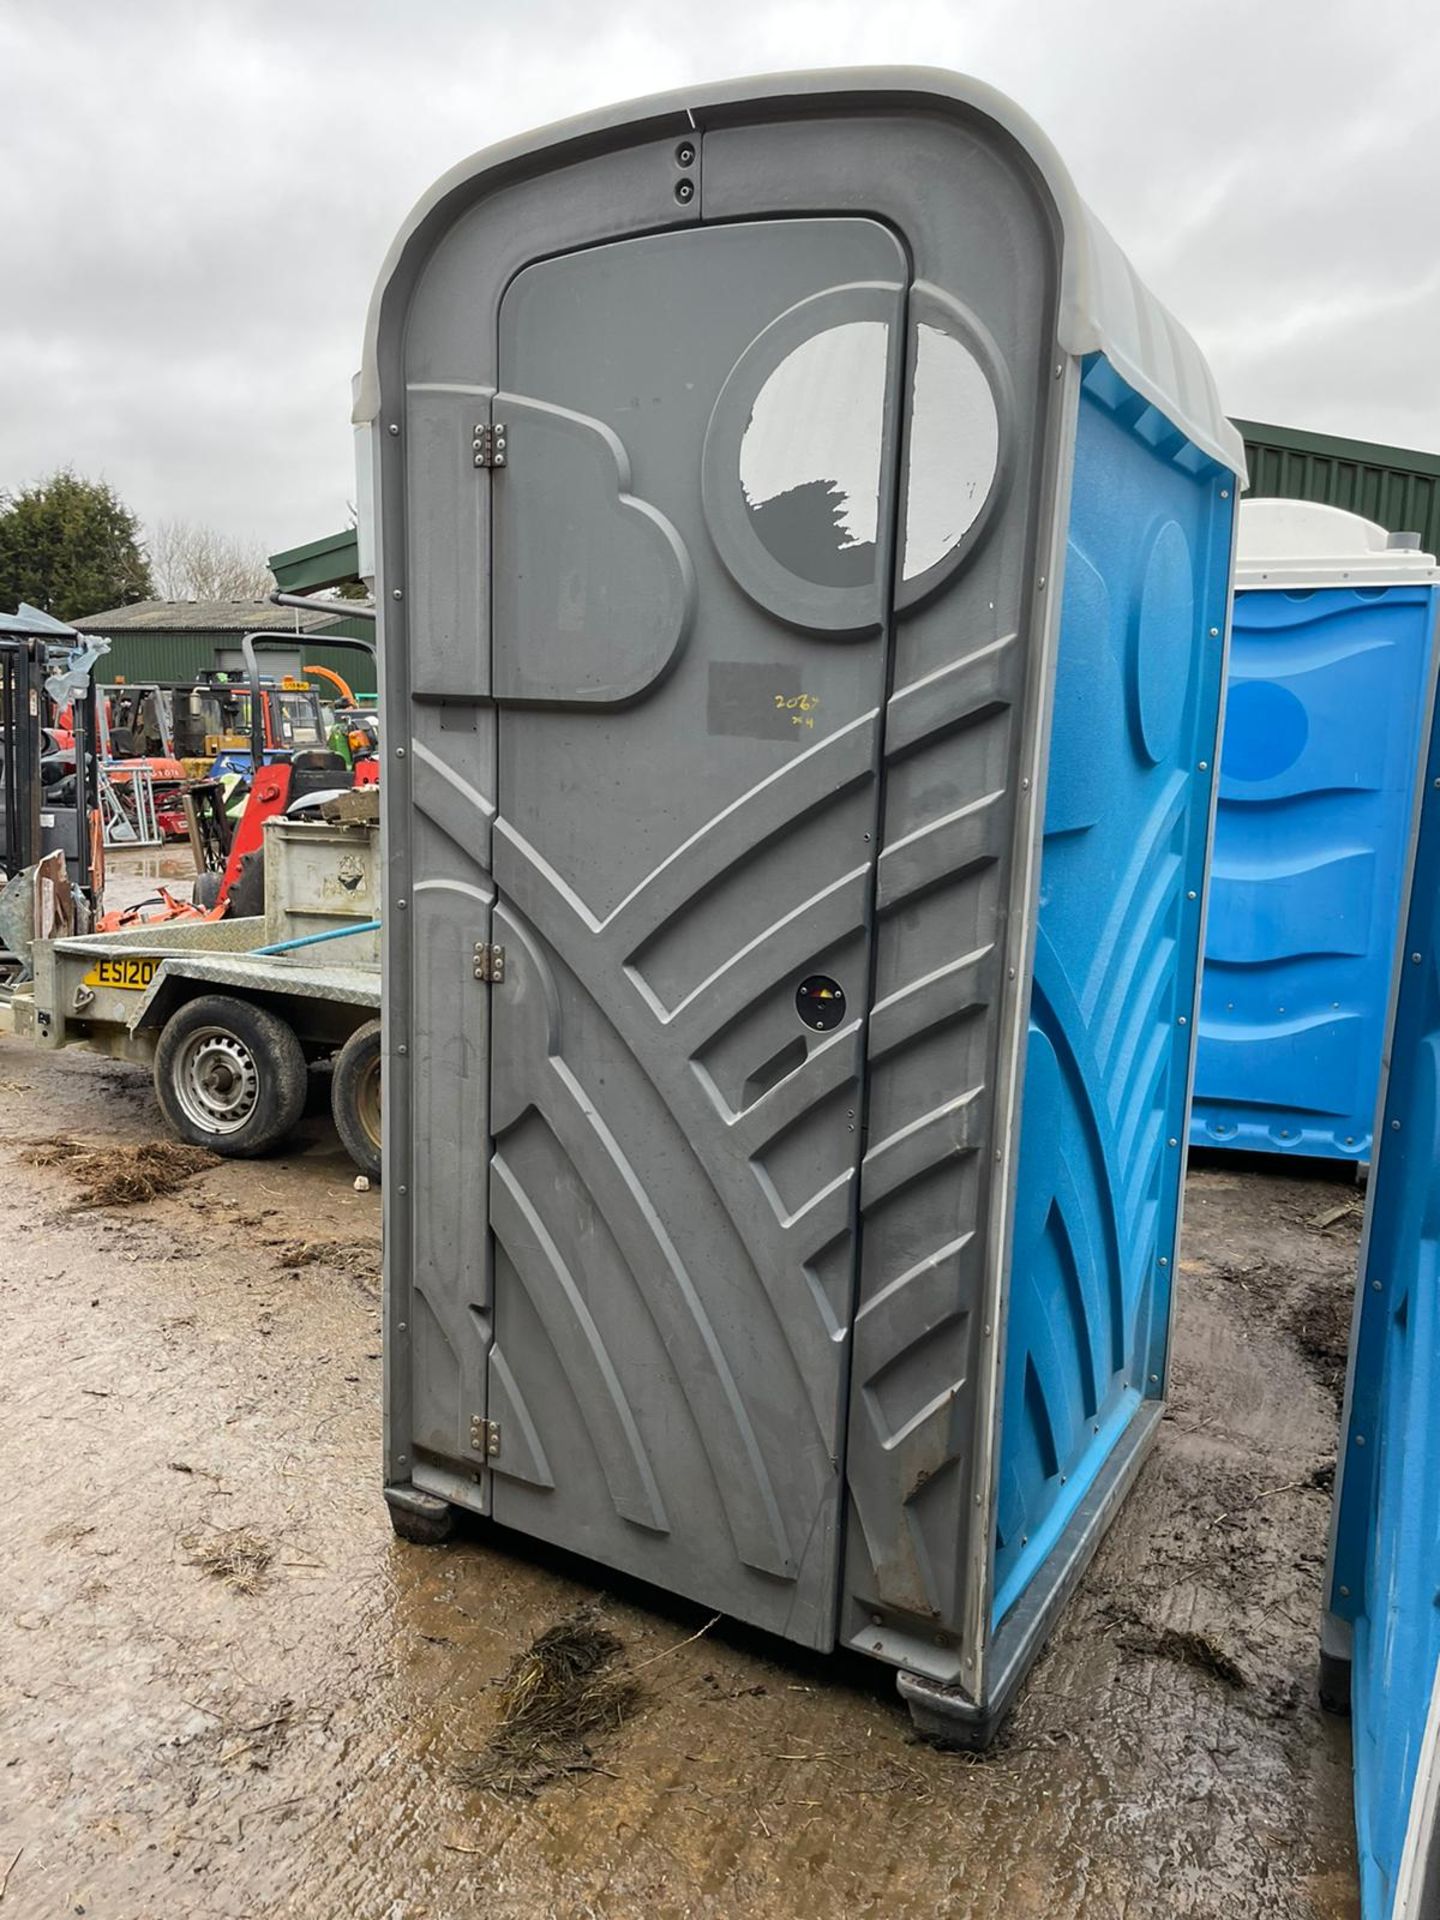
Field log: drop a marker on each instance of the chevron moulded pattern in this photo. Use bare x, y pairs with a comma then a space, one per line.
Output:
924, 1179
648, 1346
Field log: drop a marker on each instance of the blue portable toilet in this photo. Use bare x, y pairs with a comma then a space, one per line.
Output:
1329, 661
1381, 1633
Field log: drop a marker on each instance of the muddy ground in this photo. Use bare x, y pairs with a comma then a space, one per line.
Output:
172, 1745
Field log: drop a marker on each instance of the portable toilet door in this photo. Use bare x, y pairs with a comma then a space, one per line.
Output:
1381, 1634
724, 449
1334, 629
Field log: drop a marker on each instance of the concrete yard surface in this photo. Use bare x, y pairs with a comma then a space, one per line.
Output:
227, 1690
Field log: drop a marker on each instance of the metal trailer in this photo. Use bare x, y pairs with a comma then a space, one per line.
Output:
1380, 1637
1334, 629
229, 1013
792, 915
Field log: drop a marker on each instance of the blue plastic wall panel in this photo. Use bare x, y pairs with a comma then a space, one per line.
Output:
1386, 1562
1122, 876
1322, 733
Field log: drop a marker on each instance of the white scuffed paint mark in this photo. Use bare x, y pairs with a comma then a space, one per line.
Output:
821, 417
954, 449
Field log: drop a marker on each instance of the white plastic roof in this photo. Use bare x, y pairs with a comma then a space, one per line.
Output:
1298, 543
1104, 305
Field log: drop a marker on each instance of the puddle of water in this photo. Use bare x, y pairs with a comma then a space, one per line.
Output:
132, 874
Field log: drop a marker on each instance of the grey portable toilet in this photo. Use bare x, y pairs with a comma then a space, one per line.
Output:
792, 921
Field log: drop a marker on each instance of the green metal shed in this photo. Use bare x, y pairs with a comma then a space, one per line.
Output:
1396, 488
176, 640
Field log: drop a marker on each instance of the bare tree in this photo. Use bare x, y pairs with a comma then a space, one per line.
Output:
194, 562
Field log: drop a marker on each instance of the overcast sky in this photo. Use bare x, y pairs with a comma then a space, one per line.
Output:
195, 197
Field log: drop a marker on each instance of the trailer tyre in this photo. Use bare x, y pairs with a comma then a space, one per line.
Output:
355, 1097
229, 1076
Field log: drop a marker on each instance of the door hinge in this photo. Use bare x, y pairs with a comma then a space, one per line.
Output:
488, 445
485, 1436
489, 963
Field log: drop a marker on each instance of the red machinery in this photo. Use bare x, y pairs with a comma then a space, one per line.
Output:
135, 732
285, 782
214, 720
277, 786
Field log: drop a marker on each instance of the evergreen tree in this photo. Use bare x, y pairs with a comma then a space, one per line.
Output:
70, 546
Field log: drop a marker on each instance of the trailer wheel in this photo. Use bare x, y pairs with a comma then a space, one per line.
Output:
229, 1075
355, 1097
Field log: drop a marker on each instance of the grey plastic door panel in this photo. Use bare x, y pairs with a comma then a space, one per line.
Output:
692, 566
963, 751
